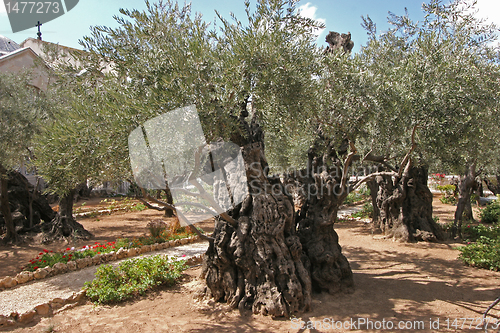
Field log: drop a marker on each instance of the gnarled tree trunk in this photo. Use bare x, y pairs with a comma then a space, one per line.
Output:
257, 263
11, 235
64, 224
464, 209
322, 194
403, 207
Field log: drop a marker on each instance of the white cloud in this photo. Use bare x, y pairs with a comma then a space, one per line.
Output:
309, 11
490, 10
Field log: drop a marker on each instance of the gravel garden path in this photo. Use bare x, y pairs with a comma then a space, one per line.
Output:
28, 295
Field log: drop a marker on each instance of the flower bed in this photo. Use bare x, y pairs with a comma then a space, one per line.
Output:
50, 258
54, 263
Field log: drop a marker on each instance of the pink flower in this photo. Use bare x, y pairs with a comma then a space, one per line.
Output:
183, 255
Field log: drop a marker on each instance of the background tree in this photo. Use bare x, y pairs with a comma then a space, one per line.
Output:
69, 149
23, 111
440, 75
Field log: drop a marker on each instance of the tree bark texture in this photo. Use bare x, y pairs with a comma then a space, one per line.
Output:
258, 263
22, 196
64, 224
322, 194
170, 200
11, 235
464, 209
403, 207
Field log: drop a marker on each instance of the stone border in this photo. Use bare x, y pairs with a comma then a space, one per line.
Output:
58, 305
100, 212
61, 268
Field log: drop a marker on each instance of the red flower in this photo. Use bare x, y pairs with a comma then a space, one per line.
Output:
98, 252
68, 249
41, 253
45, 261
96, 243
36, 267
46, 251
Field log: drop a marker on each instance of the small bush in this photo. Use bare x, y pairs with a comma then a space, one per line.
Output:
483, 246
156, 227
353, 197
473, 233
484, 253
448, 192
132, 277
367, 211
491, 213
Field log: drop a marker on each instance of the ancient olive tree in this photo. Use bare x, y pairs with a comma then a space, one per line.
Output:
70, 149
164, 59
437, 79
23, 110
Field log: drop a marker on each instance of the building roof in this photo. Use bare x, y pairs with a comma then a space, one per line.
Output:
7, 45
26, 59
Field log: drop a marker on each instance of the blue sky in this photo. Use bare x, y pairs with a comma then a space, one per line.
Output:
341, 16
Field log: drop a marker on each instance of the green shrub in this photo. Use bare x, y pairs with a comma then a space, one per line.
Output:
485, 253
473, 233
366, 211
353, 197
448, 192
132, 277
491, 213
483, 246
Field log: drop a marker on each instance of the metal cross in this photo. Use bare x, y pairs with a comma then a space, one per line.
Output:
39, 33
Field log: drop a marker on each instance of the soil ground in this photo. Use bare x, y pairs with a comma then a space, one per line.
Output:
404, 285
